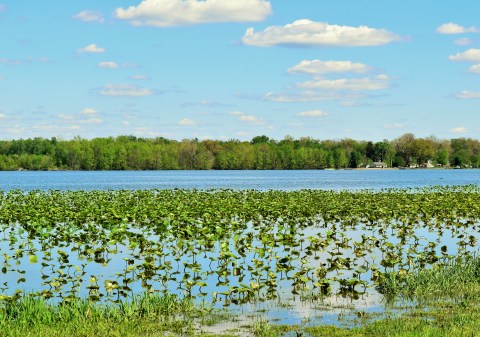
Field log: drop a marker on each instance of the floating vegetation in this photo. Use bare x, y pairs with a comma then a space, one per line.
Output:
228, 246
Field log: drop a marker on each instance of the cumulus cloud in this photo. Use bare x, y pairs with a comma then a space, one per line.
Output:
310, 96
324, 89
86, 116
2, 116
465, 94
250, 119
355, 84
453, 28
187, 121
108, 65
92, 48
312, 113
318, 34
314, 67
89, 16
66, 117
471, 55
124, 90
138, 77
460, 129
89, 111
474, 69
167, 13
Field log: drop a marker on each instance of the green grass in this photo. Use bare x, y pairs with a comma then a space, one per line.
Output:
146, 315
457, 279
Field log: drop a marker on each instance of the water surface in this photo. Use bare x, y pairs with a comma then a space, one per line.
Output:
260, 180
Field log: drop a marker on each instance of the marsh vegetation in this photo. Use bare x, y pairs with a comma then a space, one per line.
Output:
125, 256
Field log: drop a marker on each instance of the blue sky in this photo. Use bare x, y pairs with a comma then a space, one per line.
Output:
234, 69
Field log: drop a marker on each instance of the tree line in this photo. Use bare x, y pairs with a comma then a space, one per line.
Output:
261, 153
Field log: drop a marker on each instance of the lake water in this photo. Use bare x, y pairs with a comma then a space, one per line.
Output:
260, 180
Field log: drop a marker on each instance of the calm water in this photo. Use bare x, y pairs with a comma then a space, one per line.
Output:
260, 180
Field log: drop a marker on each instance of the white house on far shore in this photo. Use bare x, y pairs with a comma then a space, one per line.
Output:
377, 164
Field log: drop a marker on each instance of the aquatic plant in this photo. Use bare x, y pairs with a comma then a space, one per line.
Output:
228, 246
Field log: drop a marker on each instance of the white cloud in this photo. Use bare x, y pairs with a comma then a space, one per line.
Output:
312, 113
86, 116
66, 117
138, 77
89, 16
10, 61
166, 13
474, 69
460, 129
23, 61
2, 116
310, 96
250, 119
318, 34
187, 121
453, 28
463, 41
323, 89
124, 90
108, 65
314, 67
92, 48
471, 55
465, 94
89, 111
355, 84
73, 127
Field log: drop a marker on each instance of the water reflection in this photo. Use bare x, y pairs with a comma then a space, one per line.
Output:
310, 268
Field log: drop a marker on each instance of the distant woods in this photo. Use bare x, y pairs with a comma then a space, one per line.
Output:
261, 153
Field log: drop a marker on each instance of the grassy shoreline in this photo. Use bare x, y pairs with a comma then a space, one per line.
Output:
448, 298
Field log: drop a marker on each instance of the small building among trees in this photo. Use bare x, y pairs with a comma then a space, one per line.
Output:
377, 164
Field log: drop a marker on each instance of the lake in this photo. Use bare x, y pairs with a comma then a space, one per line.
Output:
260, 180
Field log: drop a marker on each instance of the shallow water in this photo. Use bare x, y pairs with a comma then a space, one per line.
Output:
117, 263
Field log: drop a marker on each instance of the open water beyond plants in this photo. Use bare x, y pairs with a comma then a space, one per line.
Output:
306, 254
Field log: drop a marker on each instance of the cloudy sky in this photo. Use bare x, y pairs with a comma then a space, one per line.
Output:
226, 69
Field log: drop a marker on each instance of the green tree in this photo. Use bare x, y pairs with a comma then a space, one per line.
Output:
355, 159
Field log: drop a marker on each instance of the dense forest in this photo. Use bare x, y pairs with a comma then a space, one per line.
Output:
261, 153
